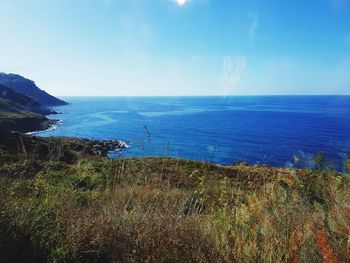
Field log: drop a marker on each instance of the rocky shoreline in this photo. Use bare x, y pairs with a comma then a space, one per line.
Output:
25, 123
104, 147
48, 125
57, 148
24, 107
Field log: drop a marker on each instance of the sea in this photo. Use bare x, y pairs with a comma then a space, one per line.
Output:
279, 131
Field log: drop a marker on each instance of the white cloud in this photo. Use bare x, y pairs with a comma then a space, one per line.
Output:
232, 71
254, 25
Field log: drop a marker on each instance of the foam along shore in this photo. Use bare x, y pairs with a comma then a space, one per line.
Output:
95, 147
106, 146
24, 122
70, 148
53, 125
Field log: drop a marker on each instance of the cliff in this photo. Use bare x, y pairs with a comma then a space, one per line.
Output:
30, 89
27, 103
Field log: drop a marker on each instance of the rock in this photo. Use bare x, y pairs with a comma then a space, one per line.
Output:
104, 147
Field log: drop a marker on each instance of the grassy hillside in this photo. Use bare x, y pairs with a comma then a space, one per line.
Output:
10, 106
87, 208
21, 99
13, 117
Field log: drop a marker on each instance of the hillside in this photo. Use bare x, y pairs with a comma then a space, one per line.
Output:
27, 103
23, 100
28, 88
10, 106
23, 105
14, 117
60, 202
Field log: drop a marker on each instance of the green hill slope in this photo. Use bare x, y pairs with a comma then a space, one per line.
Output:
14, 117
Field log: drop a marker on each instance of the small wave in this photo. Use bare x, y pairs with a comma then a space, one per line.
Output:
186, 111
123, 144
52, 127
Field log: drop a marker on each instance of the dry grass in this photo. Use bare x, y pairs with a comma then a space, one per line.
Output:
170, 210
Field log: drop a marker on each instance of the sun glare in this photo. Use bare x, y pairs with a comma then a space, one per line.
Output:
181, 2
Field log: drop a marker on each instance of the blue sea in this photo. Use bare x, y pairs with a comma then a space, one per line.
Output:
280, 131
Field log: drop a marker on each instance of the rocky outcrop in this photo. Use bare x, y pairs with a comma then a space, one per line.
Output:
55, 148
24, 122
106, 146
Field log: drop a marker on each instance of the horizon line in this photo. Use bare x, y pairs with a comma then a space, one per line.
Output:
240, 95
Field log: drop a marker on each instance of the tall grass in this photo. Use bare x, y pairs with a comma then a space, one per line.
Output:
169, 210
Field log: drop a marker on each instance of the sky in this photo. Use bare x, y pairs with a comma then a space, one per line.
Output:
178, 47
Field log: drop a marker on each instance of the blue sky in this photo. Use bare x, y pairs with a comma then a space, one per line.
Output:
165, 47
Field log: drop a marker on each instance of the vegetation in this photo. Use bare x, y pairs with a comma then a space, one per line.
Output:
21, 99
12, 119
60, 203
23, 105
21, 102
9, 106
15, 118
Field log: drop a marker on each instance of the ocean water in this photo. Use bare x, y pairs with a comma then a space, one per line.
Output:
279, 131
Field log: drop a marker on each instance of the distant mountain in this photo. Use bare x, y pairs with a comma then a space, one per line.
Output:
25, 102
28, 88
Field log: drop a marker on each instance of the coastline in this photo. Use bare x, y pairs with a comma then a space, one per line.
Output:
73, 182
52, 125
278, 132
24, 122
